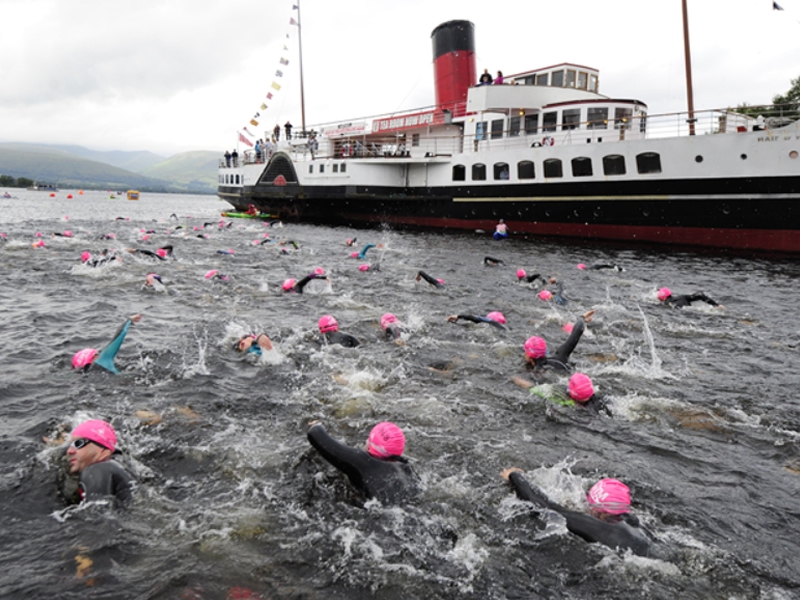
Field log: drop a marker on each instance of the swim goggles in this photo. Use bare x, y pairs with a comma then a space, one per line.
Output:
80, 443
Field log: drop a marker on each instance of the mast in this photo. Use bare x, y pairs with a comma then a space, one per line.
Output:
688, 58
300, 48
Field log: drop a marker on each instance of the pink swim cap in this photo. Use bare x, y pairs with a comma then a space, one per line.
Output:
145, 237
364, 267
610, 496
211, 273
386, 439
441, 281
387, 320
521, 273
97, 431
67, 233
196, 228
545, 295
38, 234
348, 241
327, 324
663, 293
85, 256
83, 357
287, 285
161, 252
581, 266
354, 255
580, 387
496, 316
319, 271
535, 347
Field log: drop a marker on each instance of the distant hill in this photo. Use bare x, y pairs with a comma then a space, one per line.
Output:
79, 167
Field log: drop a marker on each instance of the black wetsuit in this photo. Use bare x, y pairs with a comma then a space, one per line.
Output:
298, 287
596, 403
477, 319
343, 339
534, 277
429, 279
604, 266
687, 299
105, 479
149, 253
624, 534
559, 361
393, 332
390, 480
488, 260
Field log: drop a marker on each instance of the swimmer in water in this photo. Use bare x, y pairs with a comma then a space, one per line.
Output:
292, 286
215, 274
600, 267
153, 281
558, 295
329, 328
493, 262
253, 343
434, 282
392, 328
92, 445
83, 359
380, 471
363, 254
610, 522
522, 275
536, 348
159, 254
665, 295
350, 242
494, 318
580, 391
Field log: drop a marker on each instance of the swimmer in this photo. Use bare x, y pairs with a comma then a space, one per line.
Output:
329, 328
229, 252
494, 318
665, 295
66, 234
215, 274
92, 444
3, 237
160, 254
292, 286
380, 471
600, 267
363, 254
580, 391
493, 262
83, 359
434, 282
536, 348
521, 274
392, 328
106, 256
350, 241
610, 523
253, 343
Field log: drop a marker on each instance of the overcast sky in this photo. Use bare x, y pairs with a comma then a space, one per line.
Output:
176, 75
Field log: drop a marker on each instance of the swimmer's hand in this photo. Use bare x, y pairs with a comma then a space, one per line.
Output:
506, 473
553, 280
312, 423
587, 316
522, 382
135, 318
452, 319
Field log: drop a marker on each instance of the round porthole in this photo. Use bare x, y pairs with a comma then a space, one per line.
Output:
793, 154
743, 157
698, 159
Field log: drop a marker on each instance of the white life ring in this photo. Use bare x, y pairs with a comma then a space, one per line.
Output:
548, 141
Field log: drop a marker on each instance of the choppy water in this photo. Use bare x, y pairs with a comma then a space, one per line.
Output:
231, 496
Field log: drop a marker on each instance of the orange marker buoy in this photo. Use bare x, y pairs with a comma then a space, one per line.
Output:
80, 192
52, 195
69, 196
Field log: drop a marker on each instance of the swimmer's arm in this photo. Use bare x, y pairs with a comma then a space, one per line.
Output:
526, 491
262, 339
473, 318
339, 455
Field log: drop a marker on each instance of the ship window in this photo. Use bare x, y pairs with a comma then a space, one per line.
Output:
541, 79
344, 168
642, 122
479, 172
570, 118
549, 121
592, 83
335, 167
531, 123
582, 166
480, 130
648, 162
226, 179
553, 168
322, 168
614, 164
501, 171
582, 80
525, 170
570, 78
530, 80
415, 139
310, 168
497, 128
237, 180
558, 78
597, 117
513, 126
459, 173
622, 118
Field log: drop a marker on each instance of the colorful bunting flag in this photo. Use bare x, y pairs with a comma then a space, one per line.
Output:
269, 95
284, 47
292, 21
263, 106
284, 61
278, 73
776, 6
253, 122
244, 140
276, 87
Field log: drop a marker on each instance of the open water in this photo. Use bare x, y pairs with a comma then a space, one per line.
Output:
232, 502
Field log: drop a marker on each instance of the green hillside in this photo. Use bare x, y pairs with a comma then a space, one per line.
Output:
197, 170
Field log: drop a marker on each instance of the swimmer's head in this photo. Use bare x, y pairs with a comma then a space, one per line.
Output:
152, 278
664, 293
83, 358
610, 496
580, 387
288, 285
354, 255
211, 273
387, 320
97, 431
85, 256
535, 347
521, 273
545, 295
319, 271
349, 241
327, 324
441, 281
67, 233
162, 252
581, 266
497, 317
364, 267
385, 440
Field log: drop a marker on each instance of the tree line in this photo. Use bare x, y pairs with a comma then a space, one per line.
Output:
18, 182
783, 105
